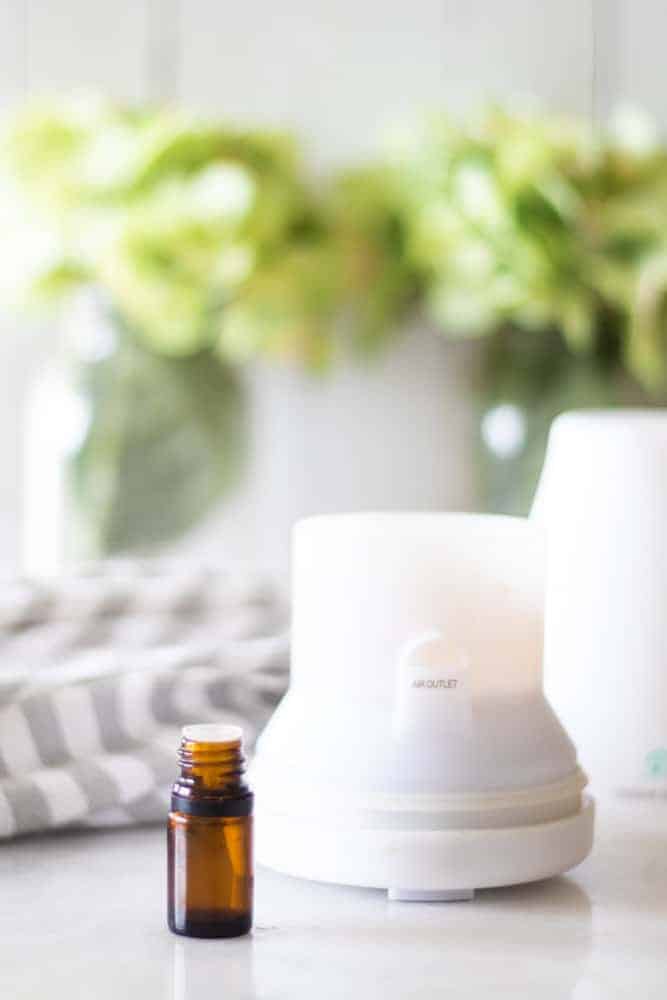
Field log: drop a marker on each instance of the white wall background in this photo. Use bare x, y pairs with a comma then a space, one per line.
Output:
337, 71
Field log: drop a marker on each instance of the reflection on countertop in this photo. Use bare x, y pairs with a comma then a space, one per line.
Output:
336, 942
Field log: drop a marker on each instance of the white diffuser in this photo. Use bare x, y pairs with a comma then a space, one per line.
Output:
415, 751
603, 502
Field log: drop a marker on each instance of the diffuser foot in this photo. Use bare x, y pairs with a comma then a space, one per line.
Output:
430, 895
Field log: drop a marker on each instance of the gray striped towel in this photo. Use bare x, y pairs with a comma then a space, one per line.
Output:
99, 671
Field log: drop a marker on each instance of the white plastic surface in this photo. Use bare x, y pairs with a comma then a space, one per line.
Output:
415, 750
603, 502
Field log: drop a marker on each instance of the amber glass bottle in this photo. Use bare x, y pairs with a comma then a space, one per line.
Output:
209, 837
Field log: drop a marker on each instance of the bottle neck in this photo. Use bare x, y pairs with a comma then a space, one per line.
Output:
212, 774
212, 766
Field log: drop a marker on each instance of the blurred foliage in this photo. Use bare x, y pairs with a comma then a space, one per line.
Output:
205, 246
202, 236
534, 222
171, 217
212, 248
547, 237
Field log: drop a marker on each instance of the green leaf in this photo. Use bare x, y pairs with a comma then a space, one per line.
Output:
165, 442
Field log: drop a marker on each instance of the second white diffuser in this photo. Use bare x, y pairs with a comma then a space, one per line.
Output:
415, 750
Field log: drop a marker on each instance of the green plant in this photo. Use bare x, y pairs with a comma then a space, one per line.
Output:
173, 218
207, 247
210, 248
537, 222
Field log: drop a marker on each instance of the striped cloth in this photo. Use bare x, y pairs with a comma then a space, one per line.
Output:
98, 673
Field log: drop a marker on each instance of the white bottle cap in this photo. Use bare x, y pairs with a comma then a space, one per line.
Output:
212, 733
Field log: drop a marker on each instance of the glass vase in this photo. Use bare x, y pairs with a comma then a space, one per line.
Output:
527, 379
124, 450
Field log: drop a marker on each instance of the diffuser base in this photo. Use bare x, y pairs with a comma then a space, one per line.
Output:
426, 860
430, 895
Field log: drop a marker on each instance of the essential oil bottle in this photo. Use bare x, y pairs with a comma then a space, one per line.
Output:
209, 836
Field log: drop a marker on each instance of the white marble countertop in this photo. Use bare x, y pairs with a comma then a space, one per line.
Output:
82, 916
